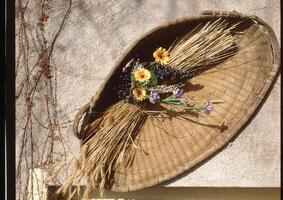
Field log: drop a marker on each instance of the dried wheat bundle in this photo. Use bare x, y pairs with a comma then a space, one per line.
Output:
205, 45
104, 151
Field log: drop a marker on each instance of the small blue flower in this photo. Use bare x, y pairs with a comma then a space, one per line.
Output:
207, 108
154, 97
178, 92
183, 101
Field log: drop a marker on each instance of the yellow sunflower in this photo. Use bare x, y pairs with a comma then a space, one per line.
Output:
139, 93
141, 75
161, 56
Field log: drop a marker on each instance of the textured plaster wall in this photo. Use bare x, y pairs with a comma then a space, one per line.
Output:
97, 34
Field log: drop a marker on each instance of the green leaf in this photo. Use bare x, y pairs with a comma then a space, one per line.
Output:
153, 80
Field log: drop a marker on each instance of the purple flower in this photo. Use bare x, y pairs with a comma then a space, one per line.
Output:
207, 108
154, 97
183, 101
178, 92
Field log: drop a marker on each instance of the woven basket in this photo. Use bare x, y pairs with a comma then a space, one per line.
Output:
173, 146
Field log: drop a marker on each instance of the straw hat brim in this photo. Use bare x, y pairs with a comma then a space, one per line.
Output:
176, 143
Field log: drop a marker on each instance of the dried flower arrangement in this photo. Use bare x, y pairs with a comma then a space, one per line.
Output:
155, 83
146, 84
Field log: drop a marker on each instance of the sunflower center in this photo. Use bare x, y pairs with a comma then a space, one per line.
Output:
160, 56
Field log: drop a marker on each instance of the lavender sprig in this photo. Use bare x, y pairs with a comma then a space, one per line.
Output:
176, 100
154, 97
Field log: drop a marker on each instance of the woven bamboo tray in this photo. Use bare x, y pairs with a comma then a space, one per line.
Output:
172, 146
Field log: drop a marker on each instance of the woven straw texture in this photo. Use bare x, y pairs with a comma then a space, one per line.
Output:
172, 145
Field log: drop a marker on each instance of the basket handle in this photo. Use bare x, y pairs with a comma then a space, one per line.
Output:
84, 110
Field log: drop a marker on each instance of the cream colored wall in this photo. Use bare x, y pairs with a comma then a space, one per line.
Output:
162, 193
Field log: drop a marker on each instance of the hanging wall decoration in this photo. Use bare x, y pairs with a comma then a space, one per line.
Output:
178, 95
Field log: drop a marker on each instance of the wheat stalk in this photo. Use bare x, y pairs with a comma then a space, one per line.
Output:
102, 153
205, 45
